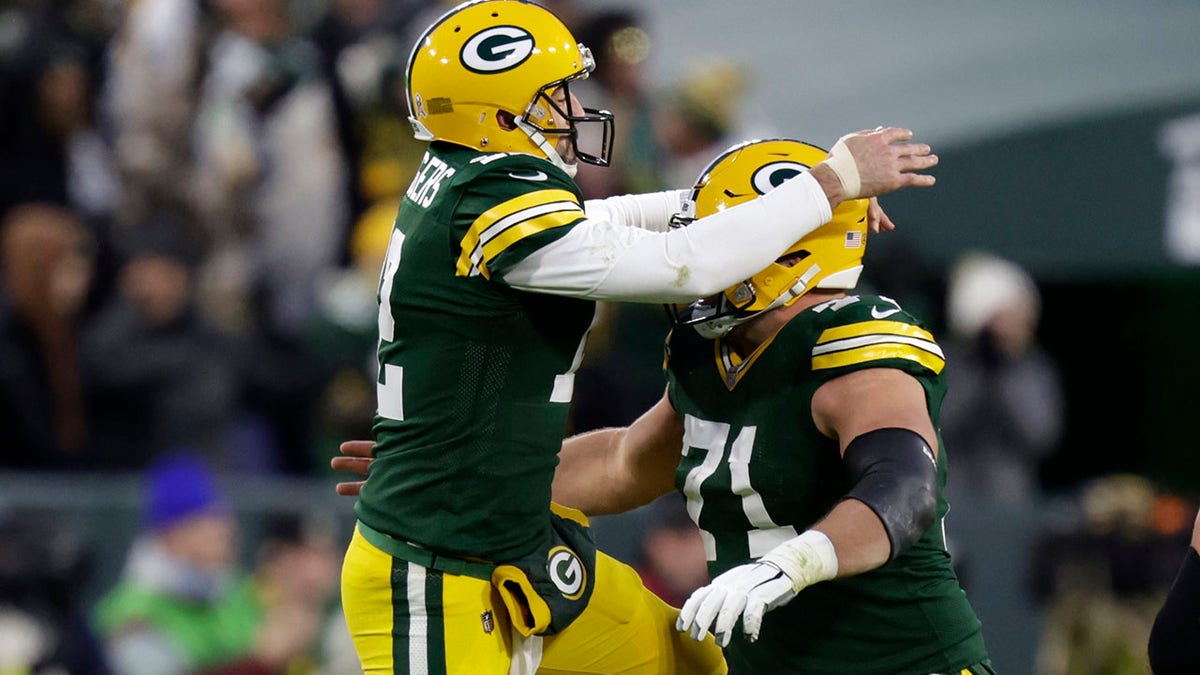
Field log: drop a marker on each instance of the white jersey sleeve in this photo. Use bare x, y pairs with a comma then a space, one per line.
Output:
651, 211
607, 256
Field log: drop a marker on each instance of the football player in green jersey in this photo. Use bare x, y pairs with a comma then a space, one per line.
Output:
807, 420
487, 293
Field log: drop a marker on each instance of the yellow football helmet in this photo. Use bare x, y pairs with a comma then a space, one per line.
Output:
828, 257
500, 56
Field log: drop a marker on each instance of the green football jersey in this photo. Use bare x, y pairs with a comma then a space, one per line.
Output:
475, 378
756, 471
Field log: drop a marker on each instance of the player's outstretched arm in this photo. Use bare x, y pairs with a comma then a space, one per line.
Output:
886, 437
873, 163
615, 470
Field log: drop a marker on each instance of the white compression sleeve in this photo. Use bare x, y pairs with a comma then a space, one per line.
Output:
651, 211
607, 260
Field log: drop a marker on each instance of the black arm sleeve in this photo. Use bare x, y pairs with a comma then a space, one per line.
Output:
894, 472
1176, 629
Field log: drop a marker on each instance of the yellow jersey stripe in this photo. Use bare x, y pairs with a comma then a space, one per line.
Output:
473, 263
874, 328
875, 352
504, 211
515, 233
852, 343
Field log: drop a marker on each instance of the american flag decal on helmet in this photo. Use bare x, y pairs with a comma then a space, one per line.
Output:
854, 239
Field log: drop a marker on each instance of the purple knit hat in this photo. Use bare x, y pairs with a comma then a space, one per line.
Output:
180, 486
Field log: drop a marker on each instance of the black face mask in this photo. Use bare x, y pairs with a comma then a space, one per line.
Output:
591, 116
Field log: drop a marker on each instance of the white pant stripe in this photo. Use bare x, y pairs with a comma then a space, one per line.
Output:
418, 622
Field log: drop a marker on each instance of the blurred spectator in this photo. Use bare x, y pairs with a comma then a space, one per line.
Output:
1179, 141
158, 61
271, 176
43, 572
621, 47
1104, 579
673, 563
50, 151
1004, 408
702, 116
360, 47
365, 48
183, 608
270, 166
294, 578
178, 607
1002, 414
46, 267
158, 375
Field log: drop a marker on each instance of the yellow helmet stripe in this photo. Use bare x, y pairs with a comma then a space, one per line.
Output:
492, 224
876, 352
874, 328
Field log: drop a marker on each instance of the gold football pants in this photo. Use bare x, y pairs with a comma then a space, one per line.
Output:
407, 618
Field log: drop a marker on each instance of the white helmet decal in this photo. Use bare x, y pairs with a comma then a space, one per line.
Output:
770, 176
497, 49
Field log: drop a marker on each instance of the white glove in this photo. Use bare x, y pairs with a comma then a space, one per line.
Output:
751, 590
746, 591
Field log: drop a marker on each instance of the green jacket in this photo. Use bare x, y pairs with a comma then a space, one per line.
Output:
206, 634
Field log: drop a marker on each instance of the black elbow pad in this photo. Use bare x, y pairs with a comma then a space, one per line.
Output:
894, 472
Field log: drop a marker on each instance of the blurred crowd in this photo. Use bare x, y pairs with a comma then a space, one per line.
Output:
195, 200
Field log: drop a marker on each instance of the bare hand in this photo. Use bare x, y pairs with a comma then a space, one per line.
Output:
357, 457
884, 161
877, 220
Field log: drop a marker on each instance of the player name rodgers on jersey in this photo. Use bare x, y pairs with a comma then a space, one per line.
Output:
756, 472
475, 378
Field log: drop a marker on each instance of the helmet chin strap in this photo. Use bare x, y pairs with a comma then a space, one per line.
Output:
539, 139
797, 289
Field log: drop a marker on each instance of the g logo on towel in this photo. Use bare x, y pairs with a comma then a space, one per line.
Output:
567, 572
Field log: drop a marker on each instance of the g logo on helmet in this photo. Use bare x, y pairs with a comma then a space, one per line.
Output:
497, 49
567, 572
770, 176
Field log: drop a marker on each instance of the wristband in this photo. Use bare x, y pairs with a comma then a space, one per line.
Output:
842, 162
805, 559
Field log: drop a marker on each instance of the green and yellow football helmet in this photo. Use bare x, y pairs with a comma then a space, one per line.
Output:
487, 56
828, 257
